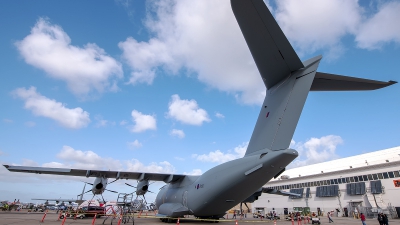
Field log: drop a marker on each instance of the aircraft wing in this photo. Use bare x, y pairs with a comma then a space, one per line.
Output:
279, 192
167, 178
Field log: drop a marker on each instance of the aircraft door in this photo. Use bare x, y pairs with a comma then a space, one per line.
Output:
184, 199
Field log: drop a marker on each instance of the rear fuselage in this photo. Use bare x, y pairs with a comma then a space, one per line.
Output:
225, 185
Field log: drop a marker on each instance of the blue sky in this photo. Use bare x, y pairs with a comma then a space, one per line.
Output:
165, 86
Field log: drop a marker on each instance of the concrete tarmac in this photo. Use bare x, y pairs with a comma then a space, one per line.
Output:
24, 218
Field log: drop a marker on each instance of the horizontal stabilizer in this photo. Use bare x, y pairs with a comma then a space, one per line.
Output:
333, 82
279, 192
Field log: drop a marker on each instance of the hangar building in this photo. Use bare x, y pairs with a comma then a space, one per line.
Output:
368, 183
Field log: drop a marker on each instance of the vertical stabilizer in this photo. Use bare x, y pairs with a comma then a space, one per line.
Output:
281, 109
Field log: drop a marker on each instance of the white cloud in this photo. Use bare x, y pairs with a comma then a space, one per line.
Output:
123, 122
30, 124
42, 106
143, 122
204, 39
161, 167
312, 25
194, 172
221, 157
381, 28
100, 122
177, 133
219, 115
135, 144
200, 37
85, 69
187, 111
7, 121
316, 150
177, 158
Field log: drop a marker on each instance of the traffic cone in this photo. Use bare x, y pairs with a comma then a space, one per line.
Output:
236, 222
274, 222
177, 222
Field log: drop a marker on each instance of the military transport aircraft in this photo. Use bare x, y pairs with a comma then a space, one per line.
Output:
288, 81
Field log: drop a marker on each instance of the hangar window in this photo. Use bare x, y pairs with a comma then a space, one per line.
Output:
325, 182
360, 178
328, 182
396, 174
356, 179
365, 178
370, 177
375, 176
351, 179
336, 181
380, 176
385, 175
391, 175
340, 180
345, 180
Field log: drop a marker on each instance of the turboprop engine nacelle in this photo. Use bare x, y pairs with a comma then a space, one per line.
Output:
142, 187
99, 185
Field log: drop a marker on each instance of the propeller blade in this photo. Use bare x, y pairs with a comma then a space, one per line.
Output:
113, 181
87, 183
85, 192
112, 191
130, 185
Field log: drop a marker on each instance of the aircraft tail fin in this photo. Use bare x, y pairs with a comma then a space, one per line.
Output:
281, 109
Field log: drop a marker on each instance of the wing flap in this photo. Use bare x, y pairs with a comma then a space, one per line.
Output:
333, 82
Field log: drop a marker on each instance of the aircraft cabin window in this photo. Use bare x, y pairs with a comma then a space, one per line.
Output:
375, 176
380, 176
385, 175
391, 175
396, 174
370, 177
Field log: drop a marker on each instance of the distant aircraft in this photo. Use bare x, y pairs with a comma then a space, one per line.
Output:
288, 81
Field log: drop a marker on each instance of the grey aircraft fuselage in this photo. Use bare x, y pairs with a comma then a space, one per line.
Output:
225, 185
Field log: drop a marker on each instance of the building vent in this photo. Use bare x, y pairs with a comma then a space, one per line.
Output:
285, 177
